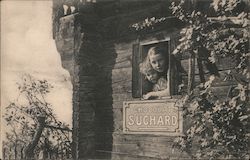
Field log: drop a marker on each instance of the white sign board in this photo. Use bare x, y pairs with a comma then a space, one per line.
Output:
152, 117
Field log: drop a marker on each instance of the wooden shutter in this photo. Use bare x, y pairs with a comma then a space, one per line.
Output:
136, 76
174, 65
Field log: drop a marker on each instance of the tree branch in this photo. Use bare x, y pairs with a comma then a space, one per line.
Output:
29, 151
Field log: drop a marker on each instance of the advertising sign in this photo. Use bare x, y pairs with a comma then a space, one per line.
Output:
152, 117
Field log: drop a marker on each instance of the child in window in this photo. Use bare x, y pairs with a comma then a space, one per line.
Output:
158, 60
160, 84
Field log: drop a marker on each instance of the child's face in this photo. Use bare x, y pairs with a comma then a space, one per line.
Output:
158, 62
152, 77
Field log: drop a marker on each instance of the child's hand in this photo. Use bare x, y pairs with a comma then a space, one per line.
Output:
147, 96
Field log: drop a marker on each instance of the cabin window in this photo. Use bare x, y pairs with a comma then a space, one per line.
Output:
146, 63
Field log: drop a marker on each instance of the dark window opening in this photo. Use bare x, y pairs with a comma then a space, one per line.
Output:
140, 83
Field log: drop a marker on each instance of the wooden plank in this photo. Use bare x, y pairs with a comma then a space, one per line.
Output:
123, 49
115, 101
119, 23
122, 87
106, 8
148, 12
222, 64
125, 53
148, 149
118, 120
127, 63
136, 93
117, 114
118, 104
118, 126
122, 74
145, 145
122, 97
119, 137
219, 81
126, 156
138, 149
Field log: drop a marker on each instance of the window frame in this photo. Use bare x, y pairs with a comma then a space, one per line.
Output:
137, 58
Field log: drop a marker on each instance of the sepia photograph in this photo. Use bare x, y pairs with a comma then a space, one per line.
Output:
125, 80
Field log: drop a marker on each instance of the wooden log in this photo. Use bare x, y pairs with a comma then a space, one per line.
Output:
118, 137
126, 156
219, 81
125, 63
122, 87
122, 97
152, 149
121, 74
119, 23
222, 64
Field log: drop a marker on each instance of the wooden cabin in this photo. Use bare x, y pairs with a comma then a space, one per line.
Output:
102, 51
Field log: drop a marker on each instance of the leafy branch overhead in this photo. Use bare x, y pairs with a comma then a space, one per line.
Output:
149, 23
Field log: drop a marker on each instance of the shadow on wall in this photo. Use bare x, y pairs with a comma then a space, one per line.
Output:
90, 62
104, 102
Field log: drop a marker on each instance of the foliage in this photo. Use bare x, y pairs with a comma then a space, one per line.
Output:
148, 22
22, 118
219, 125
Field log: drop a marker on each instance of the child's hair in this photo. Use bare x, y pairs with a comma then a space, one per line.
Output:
156, 50
145, 67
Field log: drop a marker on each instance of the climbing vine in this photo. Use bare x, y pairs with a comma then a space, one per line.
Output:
219, 125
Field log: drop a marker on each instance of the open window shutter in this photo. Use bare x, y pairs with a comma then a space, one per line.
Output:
175, 66
173, 78
136, 76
